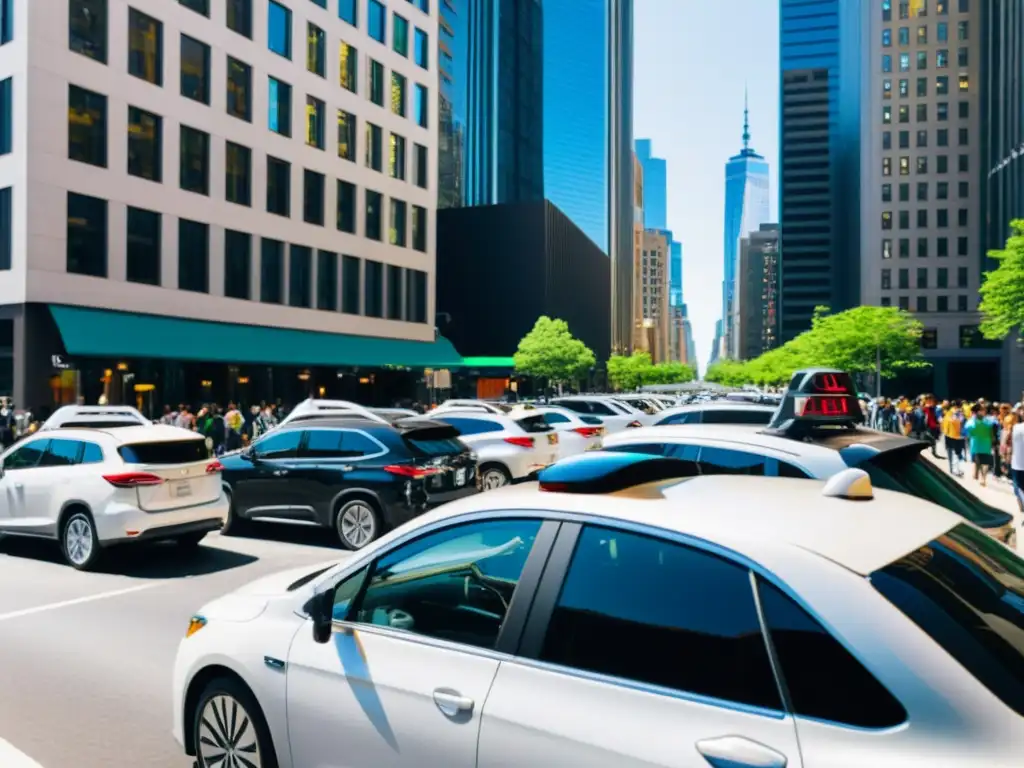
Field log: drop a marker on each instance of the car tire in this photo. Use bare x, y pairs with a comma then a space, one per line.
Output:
493, 476
227, 705
79, 542
190, 540
233, 524
357, 523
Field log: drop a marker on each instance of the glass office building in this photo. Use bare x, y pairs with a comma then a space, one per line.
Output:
655, 186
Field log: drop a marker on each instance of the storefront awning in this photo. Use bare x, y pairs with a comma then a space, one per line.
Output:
89, 332
488, 362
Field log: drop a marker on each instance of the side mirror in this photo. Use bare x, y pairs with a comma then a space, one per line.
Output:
321, 611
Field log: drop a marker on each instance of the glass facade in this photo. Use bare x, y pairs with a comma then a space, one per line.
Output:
655, 186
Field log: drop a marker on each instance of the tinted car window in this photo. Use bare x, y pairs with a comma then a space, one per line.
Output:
691, 417
966, 592
591, 419
651, 449
454, 584
91, 453
171, 452
322, 444
280, 445
615, 617
357, 444
815, 665
579, 406
470, 426
61, 453
439, 447
555, 418
536, 423
739, 416
725, 461
27, 456
789, 470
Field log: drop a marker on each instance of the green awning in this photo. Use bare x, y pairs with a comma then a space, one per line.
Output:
488, 362
91, 332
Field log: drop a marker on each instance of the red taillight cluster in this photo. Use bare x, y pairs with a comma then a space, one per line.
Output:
214, 466
133, 479
634, 424
588, 431
522, 442
826, 406
413, 473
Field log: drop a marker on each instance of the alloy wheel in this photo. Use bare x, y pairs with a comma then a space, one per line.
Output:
227, 736
78, 539
494, 478
357, 525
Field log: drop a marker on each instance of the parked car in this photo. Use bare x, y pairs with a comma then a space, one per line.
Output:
716, 412
576, 432
359, 477
615, 414
95, 417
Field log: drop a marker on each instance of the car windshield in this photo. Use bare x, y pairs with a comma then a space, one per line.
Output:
966, 591
905, 470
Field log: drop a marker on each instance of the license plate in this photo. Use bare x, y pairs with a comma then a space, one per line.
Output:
553, 438
460, 478
184, 488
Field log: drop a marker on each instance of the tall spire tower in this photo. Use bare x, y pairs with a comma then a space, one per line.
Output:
746, 123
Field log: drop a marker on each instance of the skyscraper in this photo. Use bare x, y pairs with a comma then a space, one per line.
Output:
747, 201
620, 167
453, 93
655, 186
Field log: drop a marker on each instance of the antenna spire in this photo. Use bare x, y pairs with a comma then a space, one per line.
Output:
746, 121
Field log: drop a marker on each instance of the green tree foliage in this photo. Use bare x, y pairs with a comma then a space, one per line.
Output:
1002, 289
549, 351
629, 372
851, 341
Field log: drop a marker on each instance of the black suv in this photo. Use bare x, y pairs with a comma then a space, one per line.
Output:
357, 476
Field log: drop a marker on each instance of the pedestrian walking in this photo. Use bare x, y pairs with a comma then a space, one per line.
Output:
953, 436
1017, 460
979, 436
234, 424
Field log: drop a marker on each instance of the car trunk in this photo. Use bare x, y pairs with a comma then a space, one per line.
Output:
168, 475
437, 447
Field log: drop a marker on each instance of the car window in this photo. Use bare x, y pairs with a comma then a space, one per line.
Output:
61, 453
691, 417
454, 584
27, 456
725, 461
580, 406
815, 665
279, 445
471, 426
322, 444
701, 636
616, 408
966, 592
534, 424
593, 420
91, 453
739, 416
357, 444
791, 470
169, 452
555, 418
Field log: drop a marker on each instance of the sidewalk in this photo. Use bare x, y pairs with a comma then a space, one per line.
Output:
998, 493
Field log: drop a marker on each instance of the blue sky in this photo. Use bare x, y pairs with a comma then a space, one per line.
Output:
692, 59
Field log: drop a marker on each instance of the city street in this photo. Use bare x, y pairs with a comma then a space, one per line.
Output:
87, 657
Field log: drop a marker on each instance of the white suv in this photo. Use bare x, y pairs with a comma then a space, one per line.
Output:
95, 417
90, 488
616, 414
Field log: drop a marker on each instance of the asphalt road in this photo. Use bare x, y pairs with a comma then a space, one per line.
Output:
86, 658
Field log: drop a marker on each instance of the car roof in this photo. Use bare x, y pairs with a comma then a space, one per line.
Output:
742, 513
142, 433
343, 422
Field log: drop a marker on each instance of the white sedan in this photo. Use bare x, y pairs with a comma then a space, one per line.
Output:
576, 432
613, 617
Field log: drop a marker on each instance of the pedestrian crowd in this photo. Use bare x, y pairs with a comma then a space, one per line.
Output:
225, 429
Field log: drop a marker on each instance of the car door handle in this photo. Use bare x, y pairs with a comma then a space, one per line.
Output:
739, 752
452, 702
279, 472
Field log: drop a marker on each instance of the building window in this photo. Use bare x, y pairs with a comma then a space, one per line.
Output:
346, 207
271, 271
279, 29
886, 248
886, 38
395, 280
279, 182
922, 247
193, 256
942, 31
313, 197
87, 28
942, 59
922, 60
280, 97
421, 176
145, 47
195, 70
961, 303
199, 6
961, 217
904, 166
374, 148
6, 26
904, 113
376, 75
240, 17
961, 246
962, 136
942, 304
942, 277
419, 304
348, 69
942, 137
941, 190
6, 230
922, 305
346, 135
400, 35
942, 85
237, 264
922, 139
963, 163
350, 285
377, 21
195, 160
422, 106
961, 277
399, 215
904, 62
904, 219
239, 89
942, 218
922, 218
300, 276
423, 50
238, 174
922, 35
904, 276
904, 192
922, 191
419, 228
922, 277
316, 50
962, 31
904, 303
942, 247
396, 157
922, 87
922, 113
373, 296
886, 219
6, 116
964, 83
87, 235
326, 280
374, 214
887, 63
398, 94
886, 115
143, 246
963, 189
904, 36
922, 164
964, 110
904, 139
316, 113
887, 166
145, 144
904, 247
348, 11
886, 139
87, 126
962, 57
886, 279
942, 164
942, 110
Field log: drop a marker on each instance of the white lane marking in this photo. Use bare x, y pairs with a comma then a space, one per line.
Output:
14, 758
76, 601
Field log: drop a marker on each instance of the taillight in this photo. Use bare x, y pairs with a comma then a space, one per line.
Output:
407, 470
633, 424
824, 406
214, 466
133, 479
588, 431
522, 442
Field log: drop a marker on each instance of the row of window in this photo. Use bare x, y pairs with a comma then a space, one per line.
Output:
941, 192
921, 138
941, 219
941, 278
921, 36
941, 247
360, 284
87, 143
921, 304
941, 61
963, 164
921, 112
941, 86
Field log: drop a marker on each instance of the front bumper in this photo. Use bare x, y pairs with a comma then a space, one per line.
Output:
120, 523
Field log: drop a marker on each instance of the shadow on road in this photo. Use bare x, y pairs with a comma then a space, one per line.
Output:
159, 560
289, 533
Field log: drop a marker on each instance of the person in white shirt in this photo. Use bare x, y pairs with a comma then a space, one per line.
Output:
1017, 459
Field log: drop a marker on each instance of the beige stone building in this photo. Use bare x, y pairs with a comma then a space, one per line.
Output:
653, 281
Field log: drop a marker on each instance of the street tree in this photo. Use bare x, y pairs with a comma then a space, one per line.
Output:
669, 372
627, 372
1002, 289
550, 352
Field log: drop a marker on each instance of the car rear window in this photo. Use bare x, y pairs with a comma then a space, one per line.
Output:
966, 592
739, 416
467, 425
171, 452
591, 420
534, 423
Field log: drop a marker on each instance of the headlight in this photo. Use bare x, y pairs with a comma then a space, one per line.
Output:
194, 625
